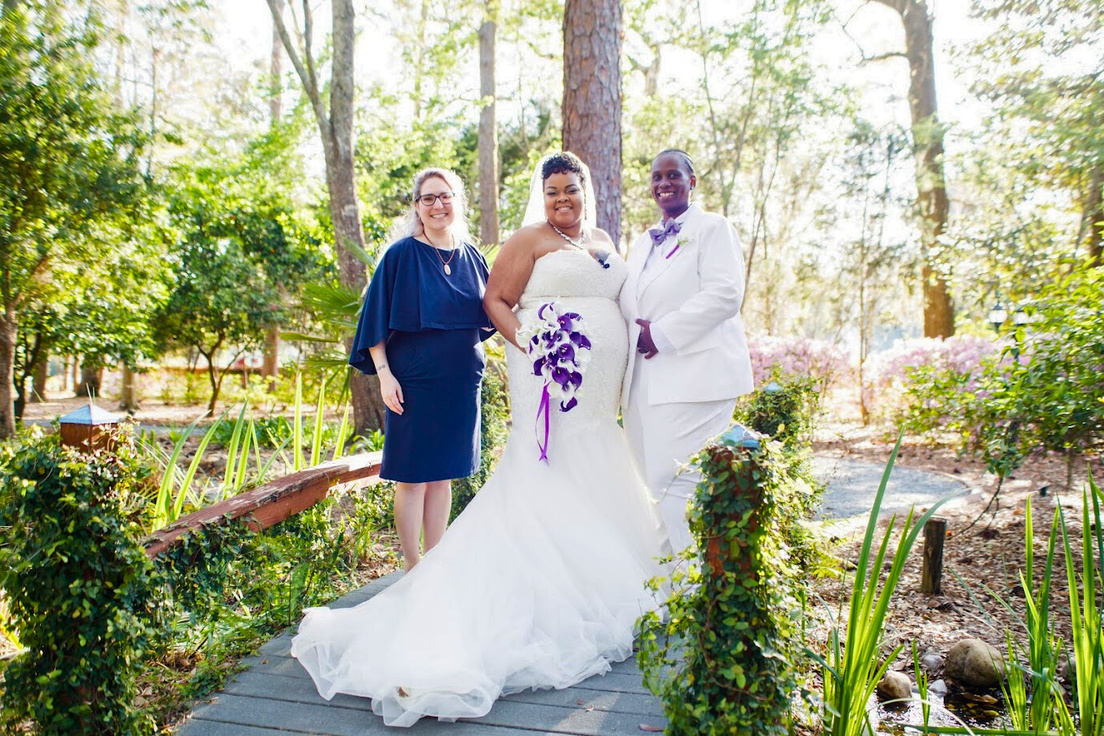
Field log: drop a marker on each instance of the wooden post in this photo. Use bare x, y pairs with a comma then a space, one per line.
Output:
935, 531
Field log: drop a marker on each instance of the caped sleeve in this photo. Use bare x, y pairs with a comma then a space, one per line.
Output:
373, 326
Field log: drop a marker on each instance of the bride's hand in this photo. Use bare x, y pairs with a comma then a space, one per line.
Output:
391, 391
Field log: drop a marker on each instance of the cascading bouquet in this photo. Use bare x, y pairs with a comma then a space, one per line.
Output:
560, 350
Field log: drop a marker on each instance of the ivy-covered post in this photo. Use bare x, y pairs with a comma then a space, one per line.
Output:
78, 585
721, 658
730, 522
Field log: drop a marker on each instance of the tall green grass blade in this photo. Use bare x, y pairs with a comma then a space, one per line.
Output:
243, 461
316, 441
849, 685
163, 504
297, 425
256, 446
343, 431
1088, 648
232, 449
189, 476
278, 453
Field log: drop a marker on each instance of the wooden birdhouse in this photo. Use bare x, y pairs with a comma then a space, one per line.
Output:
88, 428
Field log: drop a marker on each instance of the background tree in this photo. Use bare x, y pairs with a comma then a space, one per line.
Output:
220, 304
67, 161
1049, 99
592, 100
488, 128
927, 135
335, 127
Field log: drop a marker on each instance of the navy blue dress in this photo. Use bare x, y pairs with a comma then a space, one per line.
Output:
434, 325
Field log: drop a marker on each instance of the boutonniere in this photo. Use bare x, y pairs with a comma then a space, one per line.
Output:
679, 242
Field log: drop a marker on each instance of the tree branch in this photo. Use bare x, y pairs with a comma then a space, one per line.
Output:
883, 57
308, 37
305, 77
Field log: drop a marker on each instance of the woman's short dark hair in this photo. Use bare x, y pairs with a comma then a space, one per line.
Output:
681, 154
563, 163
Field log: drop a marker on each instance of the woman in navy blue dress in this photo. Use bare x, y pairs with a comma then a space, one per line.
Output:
421, 331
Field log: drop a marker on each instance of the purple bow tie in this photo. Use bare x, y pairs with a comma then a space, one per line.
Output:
659, 234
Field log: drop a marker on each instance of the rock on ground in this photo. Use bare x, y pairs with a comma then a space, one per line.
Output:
974, 664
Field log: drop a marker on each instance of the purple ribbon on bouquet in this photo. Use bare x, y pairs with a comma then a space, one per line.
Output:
543, 408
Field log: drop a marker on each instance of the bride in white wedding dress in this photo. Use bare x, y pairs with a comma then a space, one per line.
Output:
539, 583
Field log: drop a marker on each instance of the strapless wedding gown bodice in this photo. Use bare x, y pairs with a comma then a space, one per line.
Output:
576, 281
538, 584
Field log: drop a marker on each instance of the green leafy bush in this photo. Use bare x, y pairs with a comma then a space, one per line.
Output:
79, 586
1041, 393
723, 660
783, 410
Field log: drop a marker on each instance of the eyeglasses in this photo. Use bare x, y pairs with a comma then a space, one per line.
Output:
430, 199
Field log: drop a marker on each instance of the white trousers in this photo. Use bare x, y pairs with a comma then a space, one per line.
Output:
663, 438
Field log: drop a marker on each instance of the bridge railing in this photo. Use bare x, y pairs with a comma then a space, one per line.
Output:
271, 503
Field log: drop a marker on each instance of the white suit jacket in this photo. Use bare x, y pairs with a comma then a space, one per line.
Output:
694, 298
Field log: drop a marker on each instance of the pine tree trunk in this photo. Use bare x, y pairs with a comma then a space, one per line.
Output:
368, 408
592, 100
488, 130
7, 373
927, 134
270, 365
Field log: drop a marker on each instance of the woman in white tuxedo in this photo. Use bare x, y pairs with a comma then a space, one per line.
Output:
688, 357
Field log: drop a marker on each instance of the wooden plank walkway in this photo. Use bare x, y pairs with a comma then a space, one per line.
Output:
276, 696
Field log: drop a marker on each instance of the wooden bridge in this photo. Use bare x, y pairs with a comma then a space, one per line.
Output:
274, 695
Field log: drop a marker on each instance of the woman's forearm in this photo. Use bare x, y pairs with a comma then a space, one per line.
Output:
379, 356
504, 319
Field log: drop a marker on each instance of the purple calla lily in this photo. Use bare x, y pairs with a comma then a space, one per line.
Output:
557, 348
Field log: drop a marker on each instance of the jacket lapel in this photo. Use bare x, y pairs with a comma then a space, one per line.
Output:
686, 235
637, 257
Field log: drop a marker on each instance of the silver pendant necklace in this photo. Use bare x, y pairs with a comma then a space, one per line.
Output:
580, 244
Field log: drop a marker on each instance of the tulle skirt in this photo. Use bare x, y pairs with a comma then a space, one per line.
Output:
538, 584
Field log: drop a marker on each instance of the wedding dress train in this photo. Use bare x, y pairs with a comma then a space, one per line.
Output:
539, 582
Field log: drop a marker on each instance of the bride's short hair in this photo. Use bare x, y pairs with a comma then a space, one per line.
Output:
410, 224
563, 163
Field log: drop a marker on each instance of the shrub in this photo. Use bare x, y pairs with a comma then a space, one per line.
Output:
78, 584
785, 411
1041, 391
923, 383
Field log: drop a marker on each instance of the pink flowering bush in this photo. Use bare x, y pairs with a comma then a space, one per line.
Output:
1038, 388
921, 384
784, 358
